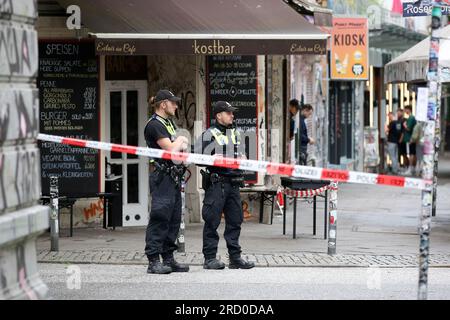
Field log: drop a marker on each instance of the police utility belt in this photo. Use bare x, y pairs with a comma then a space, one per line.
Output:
176, 172
209, 179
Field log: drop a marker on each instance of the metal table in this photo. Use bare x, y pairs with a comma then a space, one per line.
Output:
304, 184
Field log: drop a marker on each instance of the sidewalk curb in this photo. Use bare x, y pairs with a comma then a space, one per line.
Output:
303, 260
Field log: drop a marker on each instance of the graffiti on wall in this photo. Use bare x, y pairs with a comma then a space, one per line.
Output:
307, 75
20, 178
18, 52
18, 114
19, 155
276, 108
185, 114
320, 116
19, 167
22, 273
176, 73
93, 211
22, 8
19, 273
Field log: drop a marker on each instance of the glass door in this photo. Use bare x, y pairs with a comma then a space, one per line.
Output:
126, 110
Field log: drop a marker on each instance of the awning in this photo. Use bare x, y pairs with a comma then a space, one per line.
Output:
321, 16
144, 27
412, 65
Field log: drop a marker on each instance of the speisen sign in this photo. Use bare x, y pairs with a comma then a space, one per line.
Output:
423, 8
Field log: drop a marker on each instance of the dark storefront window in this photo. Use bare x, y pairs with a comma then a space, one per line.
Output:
341, 118
132, 121
116, 121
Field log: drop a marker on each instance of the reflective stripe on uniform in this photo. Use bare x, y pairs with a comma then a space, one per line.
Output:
167, 124
223, 139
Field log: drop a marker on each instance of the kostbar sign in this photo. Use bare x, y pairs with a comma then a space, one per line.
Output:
209, 46
423, 8
349, 49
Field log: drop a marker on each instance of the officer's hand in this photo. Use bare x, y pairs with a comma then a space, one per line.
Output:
312, 141
183, 142
182, 139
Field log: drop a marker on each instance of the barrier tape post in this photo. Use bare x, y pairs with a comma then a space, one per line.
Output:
332, 216
430, 155
180, 239
437, 147
54, 221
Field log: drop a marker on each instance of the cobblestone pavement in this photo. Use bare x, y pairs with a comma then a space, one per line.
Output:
261, 260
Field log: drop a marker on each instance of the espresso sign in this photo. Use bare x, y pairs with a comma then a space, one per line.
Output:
234, 79
68, 107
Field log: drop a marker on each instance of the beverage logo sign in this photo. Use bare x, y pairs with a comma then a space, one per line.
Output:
423, 8
350, 49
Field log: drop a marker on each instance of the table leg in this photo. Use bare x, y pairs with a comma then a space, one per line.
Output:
326, 215
295, 219
105, 211
261, 208
284, 214
71, 220
271, 211
314, 215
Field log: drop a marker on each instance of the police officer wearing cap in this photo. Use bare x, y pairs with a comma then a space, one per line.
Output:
221, 187
165, 183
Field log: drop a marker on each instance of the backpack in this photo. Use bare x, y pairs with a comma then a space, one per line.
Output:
417, 133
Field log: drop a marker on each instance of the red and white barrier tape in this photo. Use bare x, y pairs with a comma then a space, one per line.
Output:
310, 193
270, 168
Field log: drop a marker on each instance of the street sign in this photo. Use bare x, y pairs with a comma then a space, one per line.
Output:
423, 8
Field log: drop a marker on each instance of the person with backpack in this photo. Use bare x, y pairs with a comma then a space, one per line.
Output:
417, 138
408, 126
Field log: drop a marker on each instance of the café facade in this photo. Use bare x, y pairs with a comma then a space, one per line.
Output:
95, 82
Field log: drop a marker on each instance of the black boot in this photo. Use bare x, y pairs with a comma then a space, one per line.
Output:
155, 266
213, 264
169, 260
239, 263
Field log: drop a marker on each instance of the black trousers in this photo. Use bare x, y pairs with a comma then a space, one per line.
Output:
303, 157
222, 197
165, 216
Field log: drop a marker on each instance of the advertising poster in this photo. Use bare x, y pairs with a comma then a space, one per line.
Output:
349, 49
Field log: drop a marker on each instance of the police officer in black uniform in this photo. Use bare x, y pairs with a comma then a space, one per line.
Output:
222, 190
165, 187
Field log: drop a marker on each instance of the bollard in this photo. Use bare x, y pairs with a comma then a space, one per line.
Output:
332, 229
180, 239
54, 222
430, 148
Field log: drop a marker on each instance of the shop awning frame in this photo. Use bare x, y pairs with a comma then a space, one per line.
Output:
239, 27
208, 36
412, 65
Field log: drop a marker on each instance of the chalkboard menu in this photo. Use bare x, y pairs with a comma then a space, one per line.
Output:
68, 107
234, 79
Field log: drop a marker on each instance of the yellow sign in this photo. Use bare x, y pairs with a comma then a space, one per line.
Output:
350, 49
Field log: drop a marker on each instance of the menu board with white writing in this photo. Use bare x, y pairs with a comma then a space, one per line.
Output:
68, 107
234, 79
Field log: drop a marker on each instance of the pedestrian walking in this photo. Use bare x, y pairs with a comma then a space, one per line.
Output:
393, 132
408, 126
402, 152
298, 116
306, 112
